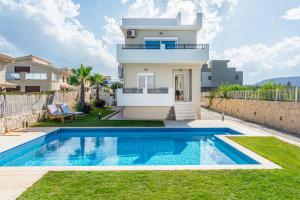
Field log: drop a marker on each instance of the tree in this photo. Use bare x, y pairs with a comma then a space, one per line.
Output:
116, 85
80, 77
97, 80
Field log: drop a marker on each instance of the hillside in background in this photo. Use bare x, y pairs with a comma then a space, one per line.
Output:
295, 81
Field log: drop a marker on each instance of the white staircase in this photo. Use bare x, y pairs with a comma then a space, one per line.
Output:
185, 111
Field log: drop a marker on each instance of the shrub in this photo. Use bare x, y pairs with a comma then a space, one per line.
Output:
99, 103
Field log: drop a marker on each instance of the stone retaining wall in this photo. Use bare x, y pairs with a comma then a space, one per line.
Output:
277, 114
22, 110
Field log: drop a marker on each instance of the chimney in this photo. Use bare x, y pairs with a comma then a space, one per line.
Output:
198, 20
178, 18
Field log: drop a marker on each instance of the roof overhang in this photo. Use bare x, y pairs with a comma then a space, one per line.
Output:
7, 85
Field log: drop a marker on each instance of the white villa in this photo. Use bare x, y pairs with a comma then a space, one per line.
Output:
160, 65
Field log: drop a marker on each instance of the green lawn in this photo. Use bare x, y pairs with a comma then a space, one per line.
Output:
92, 120
223, 184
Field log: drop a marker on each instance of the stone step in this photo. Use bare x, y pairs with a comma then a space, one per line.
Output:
185, 111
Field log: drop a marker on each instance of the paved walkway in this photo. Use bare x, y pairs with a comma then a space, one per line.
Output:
212, 115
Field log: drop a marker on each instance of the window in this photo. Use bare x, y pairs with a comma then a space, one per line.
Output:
152, 44
146, 80
19, 69
155, 42
63, 79
55, 77
237, 77
209, 78
169, 44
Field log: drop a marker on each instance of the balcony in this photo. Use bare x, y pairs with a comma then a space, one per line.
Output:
12, 76
145, 97
172, 53
36, 76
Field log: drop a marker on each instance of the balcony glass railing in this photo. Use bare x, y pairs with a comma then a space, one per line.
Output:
12, 76
164, 46
36, 76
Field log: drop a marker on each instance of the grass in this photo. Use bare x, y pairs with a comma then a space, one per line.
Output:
92, 121
222, 184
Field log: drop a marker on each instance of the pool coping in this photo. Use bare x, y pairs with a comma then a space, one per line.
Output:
263, 162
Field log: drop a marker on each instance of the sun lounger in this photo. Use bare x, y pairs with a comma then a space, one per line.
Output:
54, 113
66, 110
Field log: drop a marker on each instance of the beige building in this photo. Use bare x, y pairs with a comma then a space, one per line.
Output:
160, 65
33, 74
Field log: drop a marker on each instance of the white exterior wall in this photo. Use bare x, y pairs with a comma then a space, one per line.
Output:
162, 62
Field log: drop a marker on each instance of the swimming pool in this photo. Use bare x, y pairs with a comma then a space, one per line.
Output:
127, 147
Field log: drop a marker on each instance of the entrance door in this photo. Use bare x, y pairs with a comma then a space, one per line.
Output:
179, 87
182, 85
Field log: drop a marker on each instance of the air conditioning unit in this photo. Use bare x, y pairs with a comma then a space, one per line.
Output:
130, 33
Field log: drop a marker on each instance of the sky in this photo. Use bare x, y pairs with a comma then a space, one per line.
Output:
259, 37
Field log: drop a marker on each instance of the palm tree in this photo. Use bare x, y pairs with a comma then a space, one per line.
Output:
80, 77
97, 80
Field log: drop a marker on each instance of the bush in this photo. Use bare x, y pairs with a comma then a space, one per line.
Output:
78, 106
99, 103
87, 108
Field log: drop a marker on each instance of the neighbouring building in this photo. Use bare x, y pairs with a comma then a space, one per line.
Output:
216, 73
33, 74
107, 80
4, 59
160, 64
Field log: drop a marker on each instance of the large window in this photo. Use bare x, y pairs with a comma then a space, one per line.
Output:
146, 80
155, 42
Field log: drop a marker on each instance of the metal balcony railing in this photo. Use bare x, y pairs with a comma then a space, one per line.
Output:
161, 90
132, 90
165, 46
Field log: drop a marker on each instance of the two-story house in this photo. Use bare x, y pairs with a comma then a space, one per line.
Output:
160, 65
33, 74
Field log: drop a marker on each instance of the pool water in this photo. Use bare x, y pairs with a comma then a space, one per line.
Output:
127, 147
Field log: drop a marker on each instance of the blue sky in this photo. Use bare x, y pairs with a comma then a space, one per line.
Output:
260, 37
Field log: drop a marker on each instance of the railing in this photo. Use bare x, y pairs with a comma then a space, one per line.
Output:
132, 90
291, 94
12, 76
164, 46
145, 97
158, 90
36, 76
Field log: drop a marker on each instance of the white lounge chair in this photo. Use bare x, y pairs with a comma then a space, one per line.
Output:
54, 113
66, 110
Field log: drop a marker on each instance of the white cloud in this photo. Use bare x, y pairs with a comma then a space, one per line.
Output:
8, 48
143, 8
259, 61
51, 27
124, 1
292, 14
113, 33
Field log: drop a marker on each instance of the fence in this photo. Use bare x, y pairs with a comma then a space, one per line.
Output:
16, 104
292, 94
